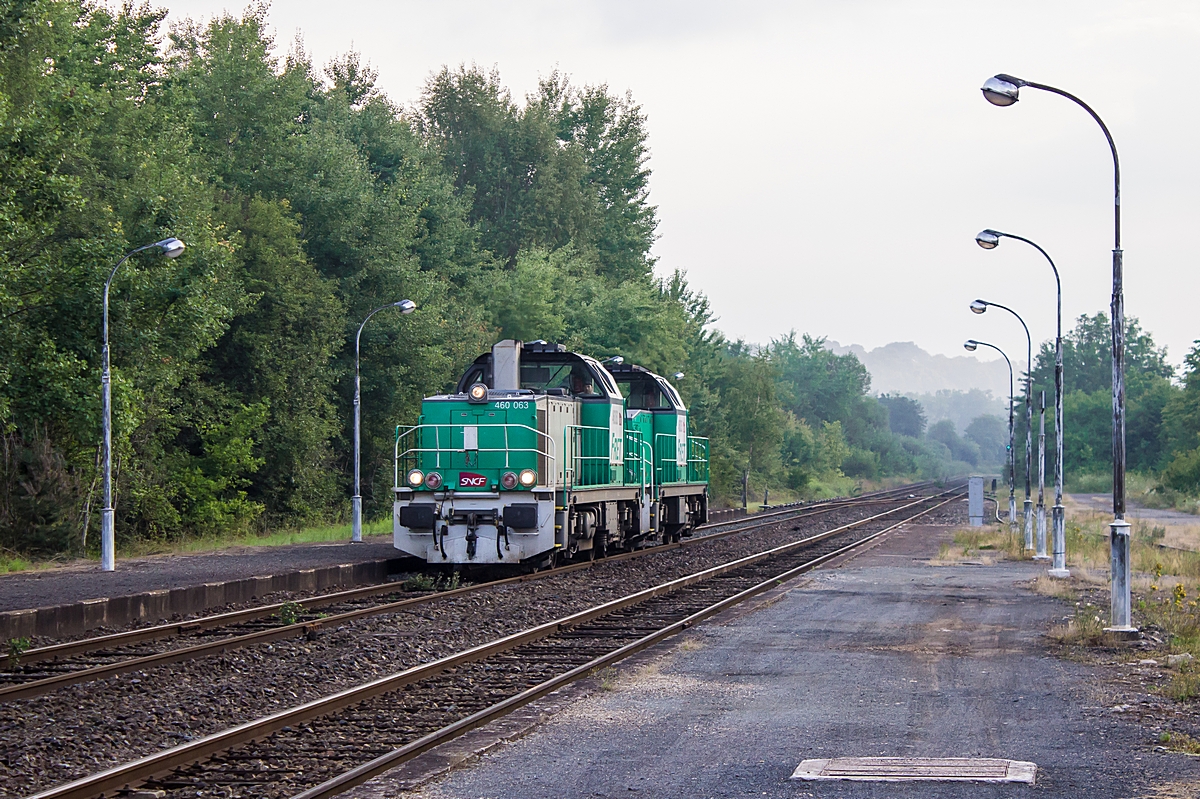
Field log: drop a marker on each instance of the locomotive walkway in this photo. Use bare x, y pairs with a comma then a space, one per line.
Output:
884, 656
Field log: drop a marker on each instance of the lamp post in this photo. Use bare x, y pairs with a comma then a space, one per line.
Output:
970, 346
172, 248
1041, 503
406, 307
990, 240
1004, 90
981, 306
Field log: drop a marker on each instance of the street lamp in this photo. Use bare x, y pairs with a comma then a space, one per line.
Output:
980, 306
970, 346
990, 240
172, 248
406, 307
1005, 90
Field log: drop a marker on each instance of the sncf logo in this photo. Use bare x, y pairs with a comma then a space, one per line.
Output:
471, 480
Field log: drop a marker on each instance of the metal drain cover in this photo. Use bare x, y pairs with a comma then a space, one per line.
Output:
901, 769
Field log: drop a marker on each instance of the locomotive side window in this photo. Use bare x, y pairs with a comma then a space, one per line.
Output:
474, 375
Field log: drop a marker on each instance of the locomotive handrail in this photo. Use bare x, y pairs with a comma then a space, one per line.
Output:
572, 452
700, 473
667, 468
550, 453
694, 469
645, 465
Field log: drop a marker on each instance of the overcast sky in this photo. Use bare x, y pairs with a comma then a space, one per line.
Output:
824, 166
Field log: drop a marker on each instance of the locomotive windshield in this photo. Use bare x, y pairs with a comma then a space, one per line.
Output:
561, 373
645, 391
573, 376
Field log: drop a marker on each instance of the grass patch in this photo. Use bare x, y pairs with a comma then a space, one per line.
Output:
1051, 586
11, 562
1088, 547
420, 582
1143, 489
1085, 628
278, 538
608, 678
1180, 742
982, 544
1136, 484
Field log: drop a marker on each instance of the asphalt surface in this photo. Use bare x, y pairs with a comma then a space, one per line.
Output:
883, 655
1102, 503
82, 581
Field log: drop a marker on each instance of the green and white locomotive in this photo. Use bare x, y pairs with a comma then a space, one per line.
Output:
542, 455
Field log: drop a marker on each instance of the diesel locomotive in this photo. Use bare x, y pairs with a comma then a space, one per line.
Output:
542, 455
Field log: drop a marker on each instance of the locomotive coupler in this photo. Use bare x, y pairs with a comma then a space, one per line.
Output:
501, 530
472, 536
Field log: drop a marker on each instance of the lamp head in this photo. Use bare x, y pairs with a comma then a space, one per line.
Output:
615, 360
979, 306
172, 247
1002, 89
988, 239
406, 306
678, 375
971, 345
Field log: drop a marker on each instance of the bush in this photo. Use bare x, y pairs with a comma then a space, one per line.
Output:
861, 463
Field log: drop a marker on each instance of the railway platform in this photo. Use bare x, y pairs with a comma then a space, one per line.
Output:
79, 597
881, 655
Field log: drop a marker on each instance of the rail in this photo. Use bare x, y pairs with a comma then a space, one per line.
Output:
56, 652
161, 764
444, 455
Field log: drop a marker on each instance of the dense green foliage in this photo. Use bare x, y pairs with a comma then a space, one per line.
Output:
307, 198
1162, 423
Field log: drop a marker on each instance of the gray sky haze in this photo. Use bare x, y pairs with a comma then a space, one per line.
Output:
825, 166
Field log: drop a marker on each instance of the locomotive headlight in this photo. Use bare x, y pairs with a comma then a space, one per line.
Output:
416, 477
509, 480
477, 393
528, 478
433, 480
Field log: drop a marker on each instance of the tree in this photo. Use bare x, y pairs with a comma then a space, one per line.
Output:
990, 434
963, 450
1087, 357
906, 417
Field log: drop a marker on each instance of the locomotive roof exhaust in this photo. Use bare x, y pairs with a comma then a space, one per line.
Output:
506, 365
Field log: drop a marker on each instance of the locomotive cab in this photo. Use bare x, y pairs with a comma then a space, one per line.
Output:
656, 413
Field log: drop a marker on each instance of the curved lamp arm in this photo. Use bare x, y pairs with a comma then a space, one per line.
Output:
1005, 90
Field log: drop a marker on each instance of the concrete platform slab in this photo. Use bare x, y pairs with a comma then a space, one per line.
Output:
884, 656
80, 597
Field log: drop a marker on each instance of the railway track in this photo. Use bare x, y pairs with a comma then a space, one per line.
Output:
45, 669
324, 747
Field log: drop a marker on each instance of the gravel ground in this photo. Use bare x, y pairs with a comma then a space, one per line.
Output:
884, 656
83, 579
1134, 679
81, 729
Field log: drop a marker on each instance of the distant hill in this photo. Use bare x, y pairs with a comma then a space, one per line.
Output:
957, 388
904, 368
